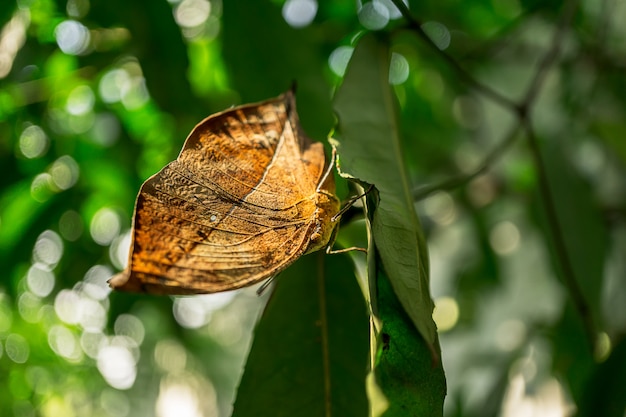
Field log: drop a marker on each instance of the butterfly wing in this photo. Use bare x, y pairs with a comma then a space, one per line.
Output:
236, 207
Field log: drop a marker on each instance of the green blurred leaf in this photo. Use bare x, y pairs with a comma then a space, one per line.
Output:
309, 356
279, 56
369, 150
604, 391
612, 134
580, 219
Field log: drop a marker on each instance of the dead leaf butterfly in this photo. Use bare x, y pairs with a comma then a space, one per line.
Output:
248, 195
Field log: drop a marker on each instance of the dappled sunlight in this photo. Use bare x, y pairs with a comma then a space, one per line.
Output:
16, 348
117, 365
64, 343
505, 238
64, 172
105, 226
33, 142
299, 13
549, 400
12, 38
446, 313
194, 312
48, 249
186, 396
124, 84
170, 356
72, 37
192, 13
40, 280
440, 208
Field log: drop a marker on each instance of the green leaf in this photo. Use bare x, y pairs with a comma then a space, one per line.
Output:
411, 382
370, 150
580, 219
310, 351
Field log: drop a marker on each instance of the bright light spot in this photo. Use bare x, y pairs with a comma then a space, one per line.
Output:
504, 238
91, 343
126, 85
6, 315
118, 252
112, 84
33, 142
547, 401
440, 208
66, 305
92, 315
64, 343
40, 280
41, 187
189, 312
603, 347
12, 38
137, 95
192, 13
438, 33
95, 282
72, 36
170, 356
177, 400
80, 100
117, 366
339, 58
48, 248
467, 111
16, 348
130, 326
64, 172
106, 129
105, 226
446, 313
374, 15
398, 69
77, 8
394, 13
29, 307
71, 225
510, 335
482, 190
115, 403
299, 13
194, 312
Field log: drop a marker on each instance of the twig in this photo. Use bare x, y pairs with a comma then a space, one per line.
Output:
548, 59
459, 181
487, 91
522, 109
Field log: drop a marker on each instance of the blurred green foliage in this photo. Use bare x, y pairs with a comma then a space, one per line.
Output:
527, 267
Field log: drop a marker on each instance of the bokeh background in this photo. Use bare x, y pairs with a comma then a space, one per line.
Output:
96, 96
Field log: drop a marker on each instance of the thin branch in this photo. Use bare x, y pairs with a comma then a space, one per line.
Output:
522, 110
487, 91
549, 58
459, 181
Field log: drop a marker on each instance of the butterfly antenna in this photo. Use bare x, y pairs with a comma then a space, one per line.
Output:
329, 170
264, 286
350, 203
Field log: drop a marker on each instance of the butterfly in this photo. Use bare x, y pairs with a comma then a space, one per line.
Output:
247, 196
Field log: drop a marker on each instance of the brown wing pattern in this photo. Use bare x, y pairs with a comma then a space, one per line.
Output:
237, 206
